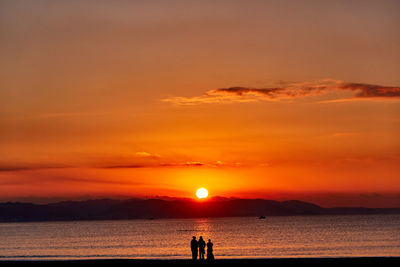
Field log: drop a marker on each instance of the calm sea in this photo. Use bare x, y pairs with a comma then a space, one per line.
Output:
297, 236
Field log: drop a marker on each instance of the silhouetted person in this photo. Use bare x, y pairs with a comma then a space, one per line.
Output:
193, 246
202, 245
210, 255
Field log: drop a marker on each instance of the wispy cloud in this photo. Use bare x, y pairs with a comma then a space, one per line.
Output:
16, 168
289, 91
147, 155
193, 163
208, 164
158, 165
164, 164
45, 179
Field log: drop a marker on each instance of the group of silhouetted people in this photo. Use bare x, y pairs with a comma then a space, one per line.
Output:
198, 248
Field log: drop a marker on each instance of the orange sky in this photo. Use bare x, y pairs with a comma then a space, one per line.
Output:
271, 99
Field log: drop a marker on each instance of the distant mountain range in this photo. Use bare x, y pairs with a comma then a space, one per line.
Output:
108, 209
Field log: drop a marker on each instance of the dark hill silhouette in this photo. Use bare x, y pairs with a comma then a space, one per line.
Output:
108, 209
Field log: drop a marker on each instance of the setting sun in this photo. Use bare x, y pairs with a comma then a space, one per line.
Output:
201, 193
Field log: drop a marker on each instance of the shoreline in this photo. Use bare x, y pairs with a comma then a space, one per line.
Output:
183, 262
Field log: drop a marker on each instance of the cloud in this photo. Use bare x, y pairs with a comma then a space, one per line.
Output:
158, 163
117, 166
217, 164
289, 91
147, 155
131, 166
193, 163
370, 90
143, 154
15, 168
65, 177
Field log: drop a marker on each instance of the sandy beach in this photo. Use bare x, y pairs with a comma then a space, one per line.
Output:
365, 261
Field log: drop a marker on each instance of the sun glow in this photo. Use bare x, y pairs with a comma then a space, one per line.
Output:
201, 193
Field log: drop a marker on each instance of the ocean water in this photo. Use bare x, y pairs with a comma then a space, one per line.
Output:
274, 237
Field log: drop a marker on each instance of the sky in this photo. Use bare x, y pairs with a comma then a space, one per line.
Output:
251, 99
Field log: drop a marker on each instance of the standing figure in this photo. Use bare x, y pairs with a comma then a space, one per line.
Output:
210, 255
193, 247
202, 245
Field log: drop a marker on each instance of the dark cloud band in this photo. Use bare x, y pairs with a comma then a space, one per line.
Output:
292, 90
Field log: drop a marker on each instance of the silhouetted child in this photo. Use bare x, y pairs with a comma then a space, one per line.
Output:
210, 255
202, 245
193, 247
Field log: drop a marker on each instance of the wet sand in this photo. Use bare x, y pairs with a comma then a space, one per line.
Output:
364, 261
